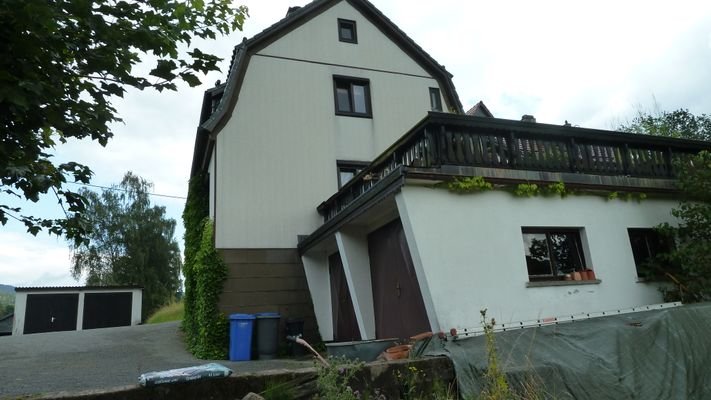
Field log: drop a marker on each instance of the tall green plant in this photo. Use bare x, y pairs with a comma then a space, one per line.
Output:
688, 264
194, 215
209, 335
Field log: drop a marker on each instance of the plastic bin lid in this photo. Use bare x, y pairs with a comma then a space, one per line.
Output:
267, 315
241, 316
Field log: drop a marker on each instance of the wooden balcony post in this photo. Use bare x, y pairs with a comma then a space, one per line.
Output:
513, 150
626, 159
668, 161
572, 155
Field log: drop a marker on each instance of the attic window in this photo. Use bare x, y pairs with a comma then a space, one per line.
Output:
435, 99
347, 31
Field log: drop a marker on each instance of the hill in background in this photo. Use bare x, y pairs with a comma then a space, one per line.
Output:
7, 289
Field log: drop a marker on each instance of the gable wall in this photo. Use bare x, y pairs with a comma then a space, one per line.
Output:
276, 156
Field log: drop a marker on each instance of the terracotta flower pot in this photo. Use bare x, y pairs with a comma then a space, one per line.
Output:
397, 352
577, 276
591, 274
584, 275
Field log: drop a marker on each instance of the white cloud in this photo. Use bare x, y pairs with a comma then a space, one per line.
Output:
42, 261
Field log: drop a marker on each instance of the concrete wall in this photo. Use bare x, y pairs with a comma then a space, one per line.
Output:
471, 252
21, 305
276, 156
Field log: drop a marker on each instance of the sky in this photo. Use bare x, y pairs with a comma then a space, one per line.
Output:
594, 64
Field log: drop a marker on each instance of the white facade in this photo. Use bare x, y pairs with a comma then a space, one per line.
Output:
282, 142
469, 255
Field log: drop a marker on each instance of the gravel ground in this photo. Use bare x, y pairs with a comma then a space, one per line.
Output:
101, 359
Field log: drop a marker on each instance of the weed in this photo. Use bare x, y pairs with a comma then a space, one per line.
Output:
279, 390
333, 381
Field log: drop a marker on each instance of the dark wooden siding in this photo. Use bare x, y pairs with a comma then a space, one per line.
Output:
268, 280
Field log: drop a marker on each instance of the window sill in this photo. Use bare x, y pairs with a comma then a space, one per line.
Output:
352, 114
562, 283
649, 280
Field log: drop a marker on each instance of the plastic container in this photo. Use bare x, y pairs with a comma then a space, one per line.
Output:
295, 328
267, 335
241, 326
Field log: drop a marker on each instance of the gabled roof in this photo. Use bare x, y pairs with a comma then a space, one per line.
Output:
295, 18
480, 110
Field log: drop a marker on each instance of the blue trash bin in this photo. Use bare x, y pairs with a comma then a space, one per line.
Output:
241, 326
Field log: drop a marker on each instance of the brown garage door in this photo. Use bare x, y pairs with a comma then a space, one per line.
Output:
399, 309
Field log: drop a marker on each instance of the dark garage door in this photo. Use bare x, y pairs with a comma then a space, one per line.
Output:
106, 310
51, 312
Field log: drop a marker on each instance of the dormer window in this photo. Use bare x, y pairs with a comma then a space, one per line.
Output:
347, 31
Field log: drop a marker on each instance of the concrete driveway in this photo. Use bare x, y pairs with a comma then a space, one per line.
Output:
100, 359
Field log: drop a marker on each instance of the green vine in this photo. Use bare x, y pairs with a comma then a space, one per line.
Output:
204, 326
627, 196
557, 188
526, 190
469, 185
476, 184
211, 337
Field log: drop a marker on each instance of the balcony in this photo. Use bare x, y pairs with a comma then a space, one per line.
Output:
446, 145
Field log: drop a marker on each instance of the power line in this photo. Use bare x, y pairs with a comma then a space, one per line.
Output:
124, 190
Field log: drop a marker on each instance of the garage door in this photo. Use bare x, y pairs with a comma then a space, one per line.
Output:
106, 310
51, 312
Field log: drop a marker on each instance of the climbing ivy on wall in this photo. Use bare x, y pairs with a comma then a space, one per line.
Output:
476, 184
204, 326
210, 337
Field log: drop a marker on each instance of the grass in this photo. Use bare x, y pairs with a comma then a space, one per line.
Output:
171, 312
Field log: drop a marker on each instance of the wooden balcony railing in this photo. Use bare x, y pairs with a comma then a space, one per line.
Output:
447, 139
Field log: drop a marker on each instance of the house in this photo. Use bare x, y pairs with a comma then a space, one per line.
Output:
328, 152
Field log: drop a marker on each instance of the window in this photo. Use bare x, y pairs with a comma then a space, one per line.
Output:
435, 99
347, 170
352, 96
646, 244
347, 31
551, 253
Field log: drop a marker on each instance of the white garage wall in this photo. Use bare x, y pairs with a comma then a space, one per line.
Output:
471, 252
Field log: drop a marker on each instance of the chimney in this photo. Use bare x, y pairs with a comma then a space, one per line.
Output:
528, 118
292, 10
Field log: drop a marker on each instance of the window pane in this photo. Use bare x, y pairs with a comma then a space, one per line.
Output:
566, 252
346, 32
537, 257
435, 100
640, 251
346, 175
359, 99
344, 99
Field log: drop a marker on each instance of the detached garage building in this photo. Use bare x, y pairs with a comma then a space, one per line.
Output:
54, 309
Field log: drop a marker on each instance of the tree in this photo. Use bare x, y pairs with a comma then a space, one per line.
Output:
679, 124
131, 243
62, 62
687, 265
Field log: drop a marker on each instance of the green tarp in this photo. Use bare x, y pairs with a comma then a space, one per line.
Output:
662, 354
